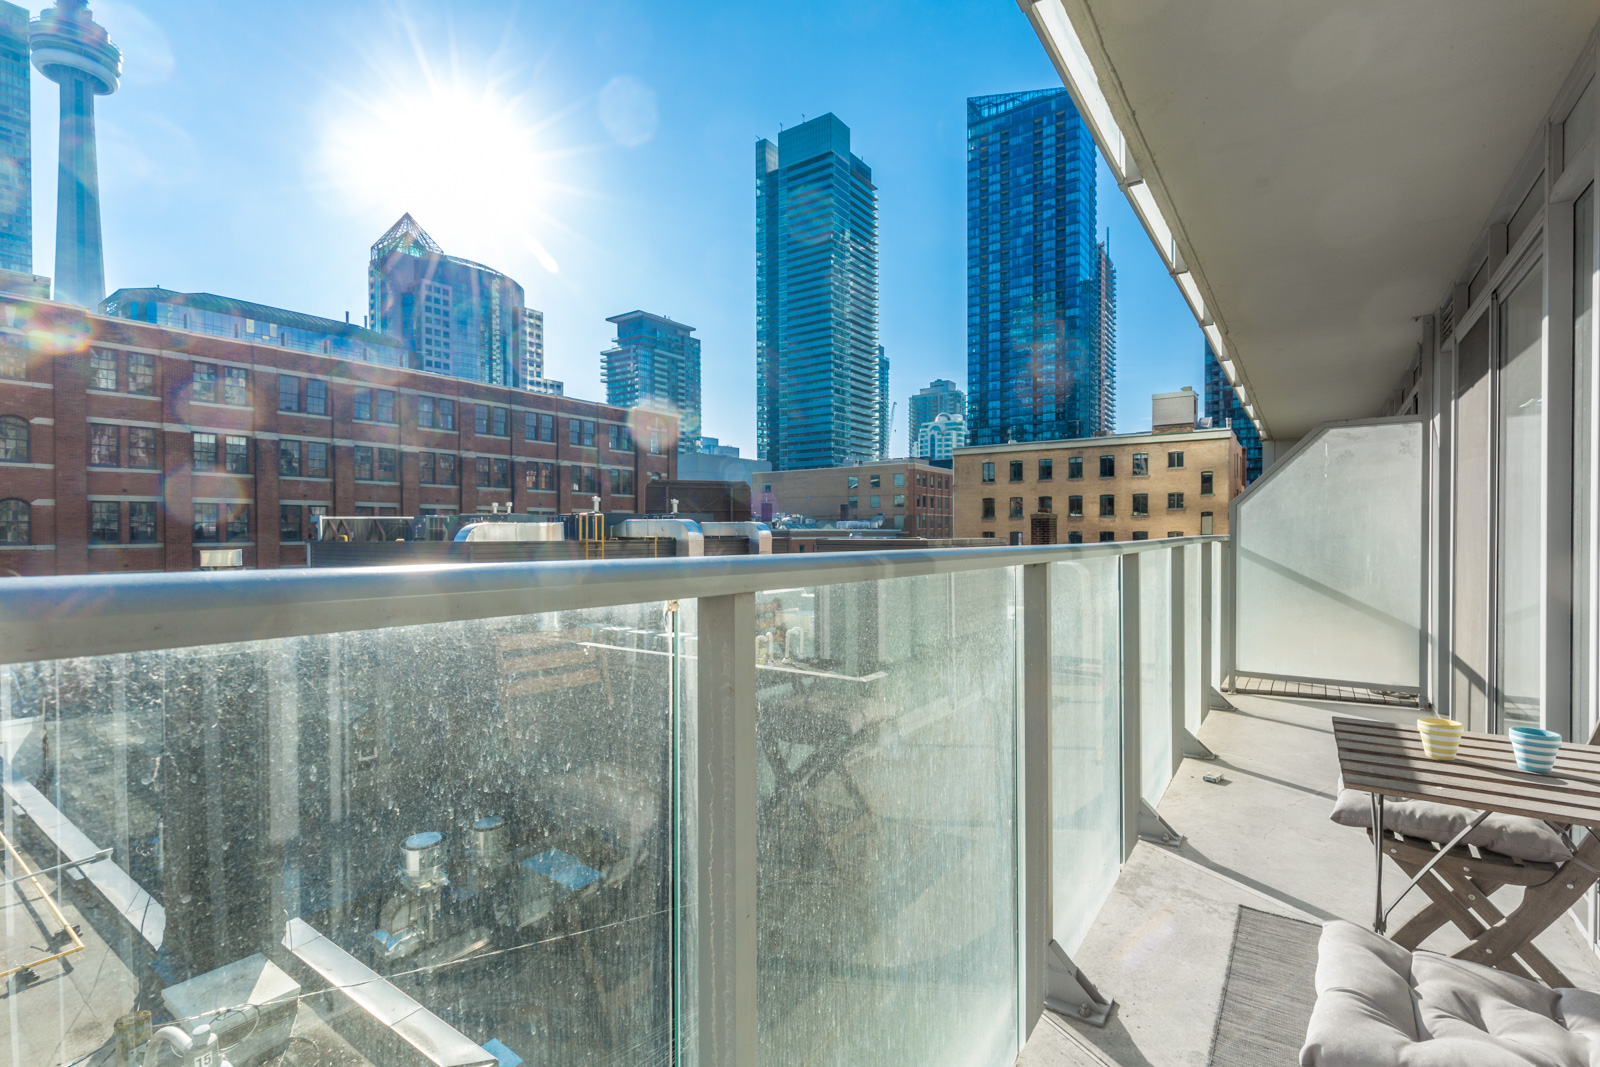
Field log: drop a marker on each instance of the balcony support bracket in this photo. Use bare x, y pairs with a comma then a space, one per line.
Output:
1194, 748
1067, 990
1153, 827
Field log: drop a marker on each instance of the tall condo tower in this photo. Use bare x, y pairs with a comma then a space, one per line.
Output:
885, 409
455, 316
655, 364
16, 148
817, 351
939, 398
1035, 366
73, 50
1105, 340
1224, 409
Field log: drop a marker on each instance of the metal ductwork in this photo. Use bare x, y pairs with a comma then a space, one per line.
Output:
758, 533
686, 532
512, 531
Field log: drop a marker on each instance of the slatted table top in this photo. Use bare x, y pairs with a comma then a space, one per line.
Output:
1387, 758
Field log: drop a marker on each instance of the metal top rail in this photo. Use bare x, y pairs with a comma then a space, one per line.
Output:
91, 615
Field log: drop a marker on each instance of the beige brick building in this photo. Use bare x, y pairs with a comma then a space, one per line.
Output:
1125, 488
908, 495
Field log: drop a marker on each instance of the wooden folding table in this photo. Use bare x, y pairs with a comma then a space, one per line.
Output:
1386, 760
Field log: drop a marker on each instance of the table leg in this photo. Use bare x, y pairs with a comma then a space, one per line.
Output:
1379, 923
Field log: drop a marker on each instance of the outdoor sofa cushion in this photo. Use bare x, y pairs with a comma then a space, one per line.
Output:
1381, 1006
1516, 836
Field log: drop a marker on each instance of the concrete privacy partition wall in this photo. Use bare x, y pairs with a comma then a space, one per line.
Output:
1329, 547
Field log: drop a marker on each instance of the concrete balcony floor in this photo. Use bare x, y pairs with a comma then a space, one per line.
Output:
1161, 942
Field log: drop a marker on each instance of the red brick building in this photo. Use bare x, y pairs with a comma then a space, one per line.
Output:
127, 446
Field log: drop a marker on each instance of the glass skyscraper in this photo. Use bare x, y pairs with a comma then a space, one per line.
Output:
884, 409
16, 151
454, 316
1223, 409
655, 364
1039, 289
940, 397
817, 357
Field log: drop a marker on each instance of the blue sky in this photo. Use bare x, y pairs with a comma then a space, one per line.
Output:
601, 153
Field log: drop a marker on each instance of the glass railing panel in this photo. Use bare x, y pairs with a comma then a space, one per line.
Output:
1086, 742
1193, 705
1216, 550
466, 828
886, 723
1329, 549
1155, 670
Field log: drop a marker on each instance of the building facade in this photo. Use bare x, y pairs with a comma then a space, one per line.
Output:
452, 315
1105, 341
132, 446
901, 494
885, 408
940, 396
74, 51
817, 376
16, 142
1223, 409
533, 378
940, 438
1130, 487
1037, 368
224, 316
655, 364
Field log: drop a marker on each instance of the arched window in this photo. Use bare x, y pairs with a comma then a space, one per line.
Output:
13, 439
16, 522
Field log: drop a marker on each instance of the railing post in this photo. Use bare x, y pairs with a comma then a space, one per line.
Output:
1178, 637
1230, 610
1132, 772
726, 830
1208, 634
1037, 917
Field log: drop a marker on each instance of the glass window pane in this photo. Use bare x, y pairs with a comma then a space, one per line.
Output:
887, 912
1578, 126
538, 748
1155, 672
1520, 519
1086, 742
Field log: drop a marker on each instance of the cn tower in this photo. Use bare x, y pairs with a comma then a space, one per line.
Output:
74, 51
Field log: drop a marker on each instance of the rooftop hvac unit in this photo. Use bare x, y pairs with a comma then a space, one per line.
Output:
249, 1005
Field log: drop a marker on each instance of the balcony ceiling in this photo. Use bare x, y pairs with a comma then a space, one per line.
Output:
1326, 168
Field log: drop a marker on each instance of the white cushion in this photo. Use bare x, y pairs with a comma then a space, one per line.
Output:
1381, 1006
1510, 835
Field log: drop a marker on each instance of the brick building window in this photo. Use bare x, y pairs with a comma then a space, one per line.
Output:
142, 522
988, 472
1047, 470
1141, 535
316, 459
1108, 466
539, 477
203, 383
388, 465
501, 424
363, 463
502, 474
899, 500
1108, 506
1207, 483
426, 470
1075, 537
238, 520
1174, 501
221, 522
988, 507
141, 373
205, 522
290, 526
480, 419
16, 522
142, 447
1075, 467
621, 438
1074, 507
382, 405
13, 361
105, 445
622, 482
236, 453
1016, 470
14, 439
316, 396
205, 451
1141, 505
1174, 459
105, 522
448, 466
1016, 507
1141, 464
1046, 504
103, 369
288, 459
236, 386
1107, 535
547, 428
288, 393
483, 472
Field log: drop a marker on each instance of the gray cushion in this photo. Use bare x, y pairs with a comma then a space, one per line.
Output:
1381, 1006
1510, 835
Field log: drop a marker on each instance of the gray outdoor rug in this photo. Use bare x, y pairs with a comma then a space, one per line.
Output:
1268, 994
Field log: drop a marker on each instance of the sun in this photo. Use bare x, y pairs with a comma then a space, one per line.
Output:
462, 156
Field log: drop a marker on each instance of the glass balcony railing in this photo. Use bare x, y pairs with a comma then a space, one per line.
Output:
760, 810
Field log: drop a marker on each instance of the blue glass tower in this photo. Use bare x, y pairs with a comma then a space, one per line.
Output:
16, 149
1223, 409
655, 364
1037, 285
817, 357
73, 50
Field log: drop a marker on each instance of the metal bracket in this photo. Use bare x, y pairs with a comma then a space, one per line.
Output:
73, 865
1153, 827
1194, 748
1068, 990
1218, 702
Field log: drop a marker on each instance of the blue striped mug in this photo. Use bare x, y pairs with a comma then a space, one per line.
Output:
1534, 748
